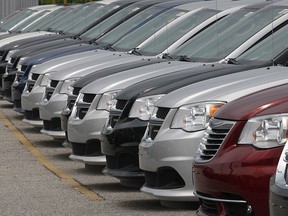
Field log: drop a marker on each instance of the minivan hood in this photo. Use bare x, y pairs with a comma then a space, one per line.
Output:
104, 66
168, 83
265, 102
226, 88
128, 77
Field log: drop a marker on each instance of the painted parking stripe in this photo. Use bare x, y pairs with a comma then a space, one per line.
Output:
46, 163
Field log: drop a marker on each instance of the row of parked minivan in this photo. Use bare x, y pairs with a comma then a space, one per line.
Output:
184, 99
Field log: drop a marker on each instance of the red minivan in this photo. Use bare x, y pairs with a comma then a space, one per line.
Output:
239, 153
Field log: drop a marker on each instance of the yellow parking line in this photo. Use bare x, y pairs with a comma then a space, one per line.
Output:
46, 163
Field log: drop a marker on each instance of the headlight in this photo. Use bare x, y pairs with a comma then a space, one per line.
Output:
265, 131
66, 87
195, 117
143, 107
107, 100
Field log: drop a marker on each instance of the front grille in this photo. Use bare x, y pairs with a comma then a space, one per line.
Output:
53, 125
88, 98
121, 104
70, 103
164, 178
13, 60
76, 90
113, 120
48, 94
34, 76
32, 115
153, 131
156, 122
24, 67
54, 83
82, 112
30, 86
83, 104
50, 89
214, 136
91, 148
210, 206
162, 112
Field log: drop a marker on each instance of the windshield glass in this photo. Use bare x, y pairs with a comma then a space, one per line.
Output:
129, 25
133, 39
69, 14
109, 22
267, 49
91, 15
29, 20
8, 23
162, 41
216, 42
50, 18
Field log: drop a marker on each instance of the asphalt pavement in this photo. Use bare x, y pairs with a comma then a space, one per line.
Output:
38, 178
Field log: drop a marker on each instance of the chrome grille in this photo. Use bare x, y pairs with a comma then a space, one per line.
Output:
116, 112
88, 98
23, 68
31, 82
120, 104
54, 83
34, 76
156, 122
83, 104
214, 136
50, 89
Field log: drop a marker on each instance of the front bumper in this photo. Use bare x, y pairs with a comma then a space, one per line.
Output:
172, 150
50, 112
31, 100
121, 149
236, 181
85, 137
97, 160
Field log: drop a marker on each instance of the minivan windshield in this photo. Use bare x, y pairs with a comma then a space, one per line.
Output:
141, 34
109, 22
16, 18
85, 17
29, 20
130, 25
162, 41
268, 48
48, 19
62, 18
217, 41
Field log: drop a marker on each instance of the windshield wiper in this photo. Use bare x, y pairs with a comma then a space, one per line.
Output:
135, 52
93, 42
77, 37
232, 61
109, 47
184, 58
166, 56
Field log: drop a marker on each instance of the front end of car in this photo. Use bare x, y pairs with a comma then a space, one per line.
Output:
122, 135
51, 106
85, 124
168, 148
234, 163
32, 95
